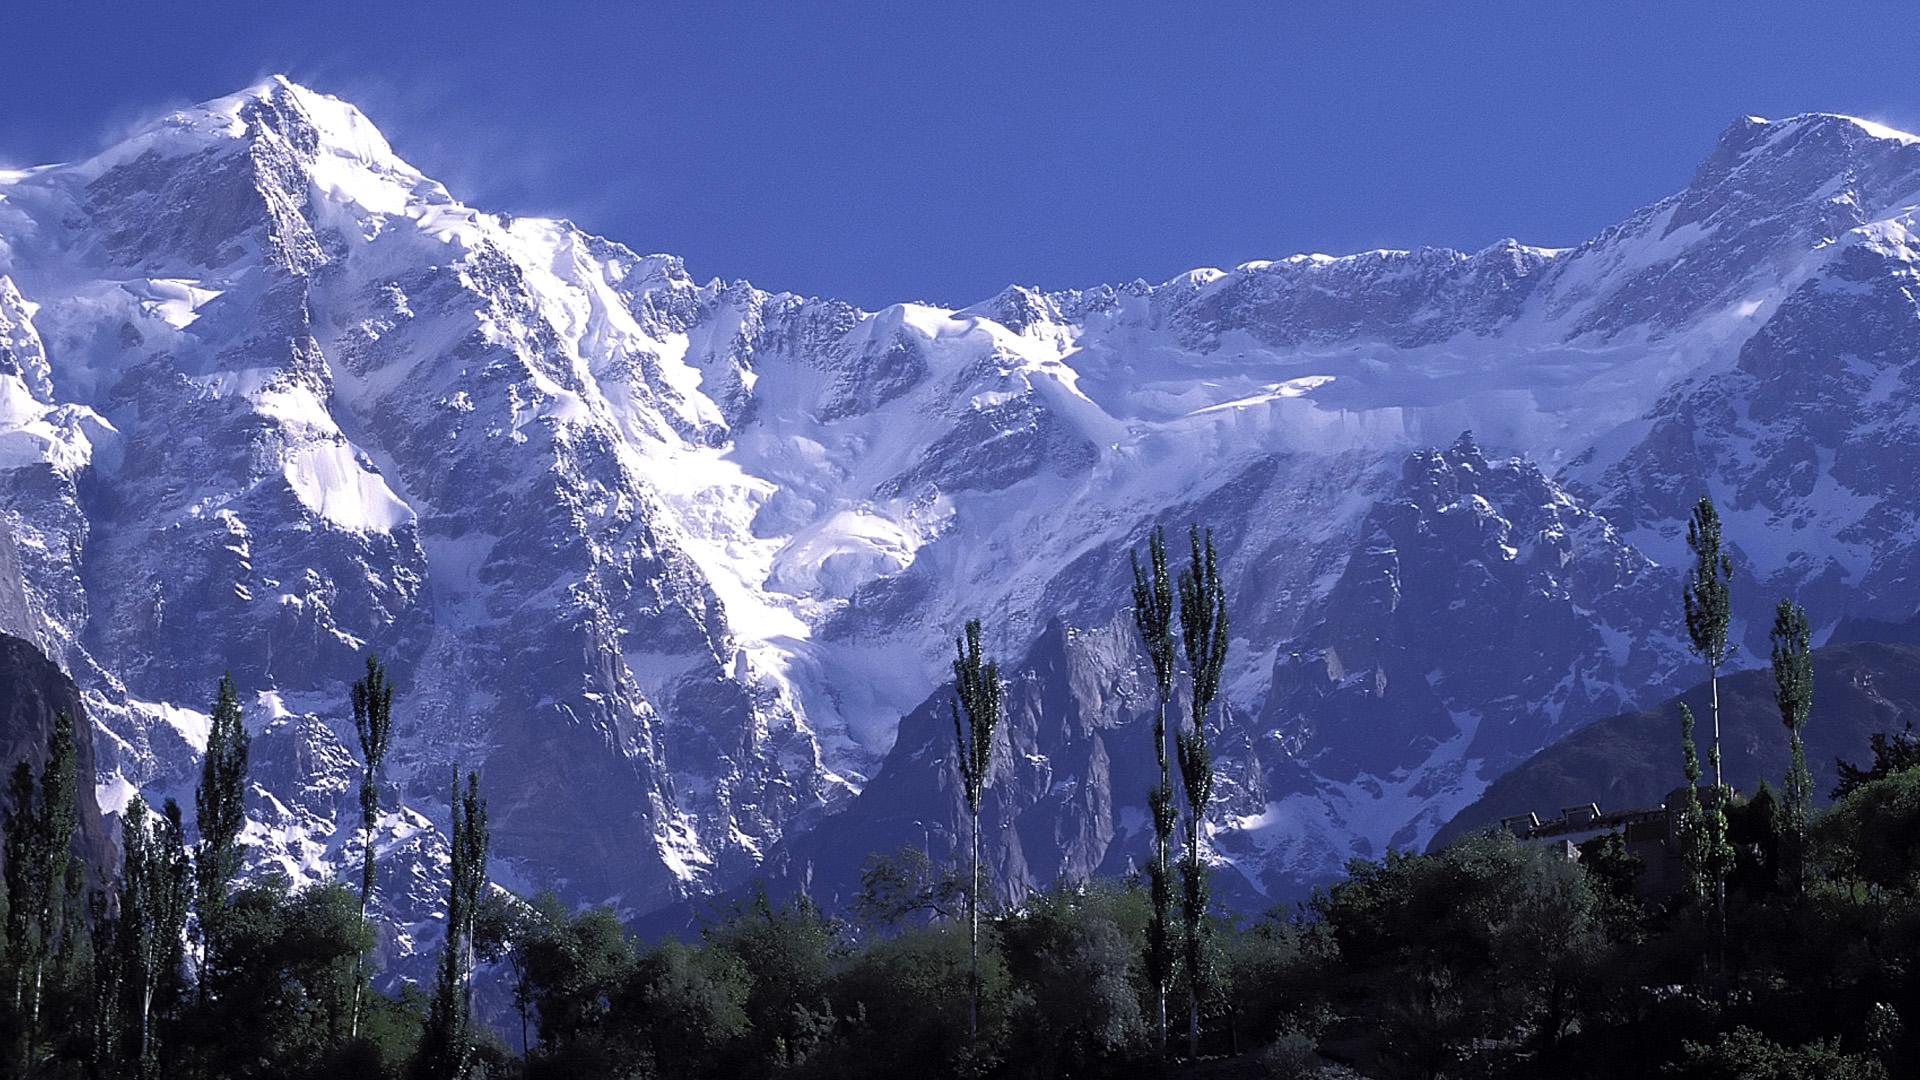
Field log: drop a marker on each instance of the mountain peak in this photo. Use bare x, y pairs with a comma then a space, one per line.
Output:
1851, 126
275, 108
1821, 134
308, 118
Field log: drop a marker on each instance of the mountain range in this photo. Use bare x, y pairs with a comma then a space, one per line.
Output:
678, 565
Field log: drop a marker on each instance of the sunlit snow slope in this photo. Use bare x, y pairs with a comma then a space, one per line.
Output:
669, 562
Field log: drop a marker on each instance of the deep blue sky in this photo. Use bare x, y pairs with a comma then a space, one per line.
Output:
898, 150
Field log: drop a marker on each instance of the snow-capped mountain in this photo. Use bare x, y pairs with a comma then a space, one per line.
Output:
670, 561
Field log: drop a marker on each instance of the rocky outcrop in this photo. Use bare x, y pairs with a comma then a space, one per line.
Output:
33, 690
675, 564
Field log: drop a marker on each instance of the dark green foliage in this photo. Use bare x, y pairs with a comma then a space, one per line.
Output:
1613, 872
1793, 692
1873, 835
574, 969
1072, 951
1891, 755
1203, 620
1483, 942
449, 1043
279, 1007
1196, 773
45, 928
1274, 982
1703, 824
372, 699
895, 1011
389, 1035
1708, 595
1153, 618
1488, 958
687, 1007
1153, 612
1707, 599
1203, 629
219, 807
1754, 831
790, 954
977, 690
903, 887
1745, 1054
603, 1011
155, 892
607, 1011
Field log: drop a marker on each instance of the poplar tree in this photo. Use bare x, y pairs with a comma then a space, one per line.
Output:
1707, 852
977, 691
446, 1042
42, 879
219, 810
372, 699
21, 825
1793, 693
1203, 630
155, 882
1707, 599
110, 1036
1153, 617
1703, 829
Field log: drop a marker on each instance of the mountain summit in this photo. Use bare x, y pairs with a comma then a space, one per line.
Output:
669, 562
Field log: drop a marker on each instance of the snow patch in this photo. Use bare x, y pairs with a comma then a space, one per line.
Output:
331, 483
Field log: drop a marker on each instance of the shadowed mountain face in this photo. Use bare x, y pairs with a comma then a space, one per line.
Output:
676, 565
32, 692
1633, 759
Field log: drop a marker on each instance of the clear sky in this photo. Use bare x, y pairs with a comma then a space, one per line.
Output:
899, 150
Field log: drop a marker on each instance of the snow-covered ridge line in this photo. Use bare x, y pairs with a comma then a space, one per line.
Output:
671, 560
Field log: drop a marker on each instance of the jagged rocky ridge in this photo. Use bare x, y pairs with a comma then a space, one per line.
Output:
670, 561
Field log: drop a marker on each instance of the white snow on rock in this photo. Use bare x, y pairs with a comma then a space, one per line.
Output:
668, 561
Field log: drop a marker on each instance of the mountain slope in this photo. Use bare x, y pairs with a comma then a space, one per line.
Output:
1633, 759
670, 562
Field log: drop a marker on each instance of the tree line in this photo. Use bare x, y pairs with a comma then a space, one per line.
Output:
182, 968
1786, 952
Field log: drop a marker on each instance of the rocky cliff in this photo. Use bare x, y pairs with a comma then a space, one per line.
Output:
676, 564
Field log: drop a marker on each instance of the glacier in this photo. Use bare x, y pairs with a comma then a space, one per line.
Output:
677, 564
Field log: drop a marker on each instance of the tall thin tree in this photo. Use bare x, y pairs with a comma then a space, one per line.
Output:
41, 915
1708, 602
109, 984
1706, 851
1203, 630
220, 812
19, 828
1709, 609
372, 699
1153, 617
155, 883
1793, 693
446, 1049
977, 690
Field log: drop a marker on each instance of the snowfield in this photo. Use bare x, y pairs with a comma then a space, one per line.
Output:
670, 561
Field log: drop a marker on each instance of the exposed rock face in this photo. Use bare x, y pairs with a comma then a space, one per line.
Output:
1482, 574
33, 690
1482, 613
1068, 759
675, 565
